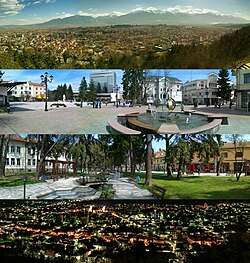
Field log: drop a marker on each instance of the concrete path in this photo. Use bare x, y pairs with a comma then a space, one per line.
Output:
124, 189
30, 118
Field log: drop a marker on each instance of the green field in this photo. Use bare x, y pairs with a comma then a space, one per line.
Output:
202, 187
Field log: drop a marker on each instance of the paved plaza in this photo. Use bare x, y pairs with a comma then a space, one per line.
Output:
30, 118
124, 189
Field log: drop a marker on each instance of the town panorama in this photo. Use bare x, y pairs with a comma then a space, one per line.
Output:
118, 46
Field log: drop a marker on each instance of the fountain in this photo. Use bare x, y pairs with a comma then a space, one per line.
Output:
164, 120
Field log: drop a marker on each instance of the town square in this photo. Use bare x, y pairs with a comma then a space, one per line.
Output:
92, 101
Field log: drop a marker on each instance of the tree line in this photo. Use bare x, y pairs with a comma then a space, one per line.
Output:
126, 152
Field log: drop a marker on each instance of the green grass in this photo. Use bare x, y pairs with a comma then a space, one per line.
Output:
202, 187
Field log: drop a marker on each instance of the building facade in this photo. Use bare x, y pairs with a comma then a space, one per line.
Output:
201, 91
233, 158
105, 81
242, 90
29, 91
22, 155
158, 89
6, 88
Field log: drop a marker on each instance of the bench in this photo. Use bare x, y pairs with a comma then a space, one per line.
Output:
118, 128
58, 105
158, 191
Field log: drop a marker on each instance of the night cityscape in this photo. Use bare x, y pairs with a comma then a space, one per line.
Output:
76, 231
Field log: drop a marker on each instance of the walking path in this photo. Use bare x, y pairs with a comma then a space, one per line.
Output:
124, 189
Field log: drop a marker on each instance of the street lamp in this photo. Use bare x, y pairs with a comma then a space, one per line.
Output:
117, 89
1, 75
24, 186
207, 92
45, 79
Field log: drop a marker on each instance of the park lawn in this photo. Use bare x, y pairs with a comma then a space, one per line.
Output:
202, 187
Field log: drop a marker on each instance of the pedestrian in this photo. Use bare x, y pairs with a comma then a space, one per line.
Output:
8, 108
100, 104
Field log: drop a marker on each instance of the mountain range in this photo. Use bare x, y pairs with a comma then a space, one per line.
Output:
144, 18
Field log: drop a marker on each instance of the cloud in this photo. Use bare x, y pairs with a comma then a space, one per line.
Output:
11, 13
37, 2
191, 10
10, 5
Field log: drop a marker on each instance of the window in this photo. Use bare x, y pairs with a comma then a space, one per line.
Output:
7, 161
8, 149
12, 162
29, 161
18, 149
225, 155
18, 161
247, 78
12, 149
29, 150
34, 162
239, 154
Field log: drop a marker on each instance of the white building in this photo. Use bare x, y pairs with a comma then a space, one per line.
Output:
202, 91
242, 89
158, 89
5, 91
22, 155
29, 91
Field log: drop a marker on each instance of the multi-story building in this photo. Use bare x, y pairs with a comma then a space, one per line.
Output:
29, 91
202, 91
22, 155
242, 89
105, 83
158, 89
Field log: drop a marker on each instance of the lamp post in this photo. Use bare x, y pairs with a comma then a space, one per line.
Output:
1, 75
24, 187
207, 92
117, 89
45, 79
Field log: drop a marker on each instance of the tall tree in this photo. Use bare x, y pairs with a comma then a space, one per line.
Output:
239, 147
91, 95
4, 142
148, 160
83, 90
224, 90
133, 81
69, 93
98, 88
211, 148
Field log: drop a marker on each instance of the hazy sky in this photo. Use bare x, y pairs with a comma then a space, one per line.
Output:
36, 11
74, 76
